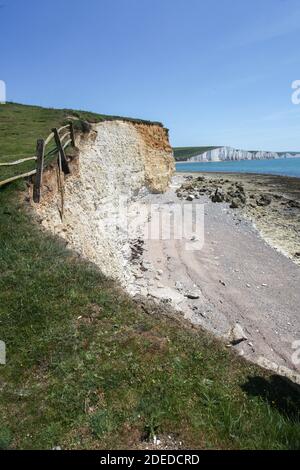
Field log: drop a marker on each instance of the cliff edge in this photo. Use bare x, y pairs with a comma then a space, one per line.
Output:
116, 161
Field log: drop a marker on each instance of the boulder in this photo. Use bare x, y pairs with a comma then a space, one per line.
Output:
293, 204
192, 295
240, 187
236, 334
235, 203
166, 294
264, 200
218, 196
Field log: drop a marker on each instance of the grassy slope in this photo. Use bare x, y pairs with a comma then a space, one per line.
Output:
22, 125
88, 368
183, 153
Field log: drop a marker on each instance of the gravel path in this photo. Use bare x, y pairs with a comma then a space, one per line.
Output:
235, 278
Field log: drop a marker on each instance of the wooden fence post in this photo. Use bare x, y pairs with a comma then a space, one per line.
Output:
40, 150
64, 163
72, 134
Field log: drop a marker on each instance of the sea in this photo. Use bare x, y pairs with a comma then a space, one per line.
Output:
280, 166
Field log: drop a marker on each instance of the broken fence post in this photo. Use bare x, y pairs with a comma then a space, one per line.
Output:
40, 150
64, 163
72, 134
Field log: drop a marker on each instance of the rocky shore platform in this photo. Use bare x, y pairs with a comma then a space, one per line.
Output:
236, 284
272, 203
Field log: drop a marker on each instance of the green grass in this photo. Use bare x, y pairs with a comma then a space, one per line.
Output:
89, 368
182, 154
22, 125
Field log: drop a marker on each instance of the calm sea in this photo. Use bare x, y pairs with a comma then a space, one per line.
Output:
282, 166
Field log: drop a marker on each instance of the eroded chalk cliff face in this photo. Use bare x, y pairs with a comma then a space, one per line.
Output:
117, 161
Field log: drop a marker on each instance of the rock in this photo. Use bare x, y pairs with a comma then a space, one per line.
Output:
166, 294
241, 196
264, 200
178, 285
297, 254
235, 203
190, 197
222, 282
218, 196
192, 295
237, 335
293, 204
292, 375
240, 187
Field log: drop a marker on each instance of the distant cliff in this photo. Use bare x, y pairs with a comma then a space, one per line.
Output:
218, 154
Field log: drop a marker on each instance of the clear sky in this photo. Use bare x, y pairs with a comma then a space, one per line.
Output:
216, 72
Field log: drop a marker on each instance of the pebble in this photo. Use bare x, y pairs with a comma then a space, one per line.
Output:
192, 295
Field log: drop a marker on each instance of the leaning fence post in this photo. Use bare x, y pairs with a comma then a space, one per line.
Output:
64, 163
72, 134
40, 150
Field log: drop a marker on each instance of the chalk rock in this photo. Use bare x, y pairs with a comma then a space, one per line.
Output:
167, 294
192, 295
236, 334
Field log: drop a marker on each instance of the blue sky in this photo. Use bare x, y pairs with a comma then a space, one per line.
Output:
216, 72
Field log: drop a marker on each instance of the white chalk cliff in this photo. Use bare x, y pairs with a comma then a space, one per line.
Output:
117, 160
229, 154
